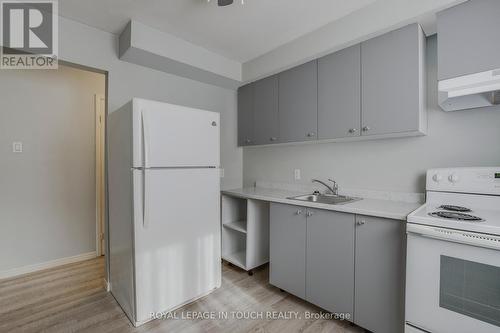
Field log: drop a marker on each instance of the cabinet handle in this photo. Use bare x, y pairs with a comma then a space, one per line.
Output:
311, 134
273, 138
298, 212
309, 213
360, 222
352, 130
366, 129
248, 141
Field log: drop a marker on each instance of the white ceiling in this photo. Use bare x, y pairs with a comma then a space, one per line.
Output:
239, 32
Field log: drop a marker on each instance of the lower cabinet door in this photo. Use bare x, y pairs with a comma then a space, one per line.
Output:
287, 243
380, 274
330, 261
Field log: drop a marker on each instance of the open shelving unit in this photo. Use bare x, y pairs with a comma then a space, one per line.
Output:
245, 232
240, 226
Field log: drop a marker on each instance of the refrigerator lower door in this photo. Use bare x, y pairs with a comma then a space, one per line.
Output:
177, 237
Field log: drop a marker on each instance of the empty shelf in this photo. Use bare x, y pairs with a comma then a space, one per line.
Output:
240, 226
237, 258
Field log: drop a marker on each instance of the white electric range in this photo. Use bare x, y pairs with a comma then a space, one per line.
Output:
453, 254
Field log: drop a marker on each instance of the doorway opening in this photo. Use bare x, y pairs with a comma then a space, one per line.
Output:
53, 194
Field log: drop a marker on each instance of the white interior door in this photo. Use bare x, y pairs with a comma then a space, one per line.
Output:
174, 136
177, 237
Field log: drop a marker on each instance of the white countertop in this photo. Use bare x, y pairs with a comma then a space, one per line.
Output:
372, 207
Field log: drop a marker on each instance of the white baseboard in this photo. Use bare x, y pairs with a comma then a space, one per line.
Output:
49, 264
107, 285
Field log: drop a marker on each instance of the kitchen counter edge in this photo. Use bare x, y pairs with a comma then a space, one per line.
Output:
389, 209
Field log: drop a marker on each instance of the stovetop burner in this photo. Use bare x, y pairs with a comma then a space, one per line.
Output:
455, 208
457, 216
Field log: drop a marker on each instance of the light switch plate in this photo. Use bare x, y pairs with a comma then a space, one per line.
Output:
221, 173
296, 174
17, 147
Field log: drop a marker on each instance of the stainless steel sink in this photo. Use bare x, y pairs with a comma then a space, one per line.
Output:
325, 199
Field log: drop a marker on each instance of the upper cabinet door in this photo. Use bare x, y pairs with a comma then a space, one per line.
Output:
298, 103
468, 38
392, 71
339, 94
266, 128
245, 115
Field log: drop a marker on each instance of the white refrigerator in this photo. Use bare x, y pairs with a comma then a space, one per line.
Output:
164, 206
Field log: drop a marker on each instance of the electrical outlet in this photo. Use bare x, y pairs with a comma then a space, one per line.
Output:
17, 147
296, 174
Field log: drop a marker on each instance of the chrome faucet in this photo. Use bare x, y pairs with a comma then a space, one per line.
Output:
334, 189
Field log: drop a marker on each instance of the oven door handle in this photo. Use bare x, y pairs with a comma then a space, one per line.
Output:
455, 236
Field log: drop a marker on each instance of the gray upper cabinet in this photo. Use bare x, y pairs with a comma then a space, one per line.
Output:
379, 274
330, 260
287, 241
339, 94
392, 92
245, 115
265, 102
298, 103
468, 38
374, 89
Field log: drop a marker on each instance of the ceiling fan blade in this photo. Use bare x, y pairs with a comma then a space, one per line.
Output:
224, 2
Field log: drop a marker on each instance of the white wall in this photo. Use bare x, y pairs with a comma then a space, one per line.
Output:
84, 45
47, 192
87, 46
375, 19
462, 138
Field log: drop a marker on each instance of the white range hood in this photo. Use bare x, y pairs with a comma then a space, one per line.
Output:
470, 91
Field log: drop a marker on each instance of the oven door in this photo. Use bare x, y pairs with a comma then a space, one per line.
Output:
452, 280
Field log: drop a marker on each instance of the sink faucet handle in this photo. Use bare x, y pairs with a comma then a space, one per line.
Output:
335, 186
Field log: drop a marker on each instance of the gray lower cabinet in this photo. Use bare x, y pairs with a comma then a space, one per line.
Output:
330, 260
265, 103
341, 262
379, 274
298, 103
287, 248
392, 85
468, 38
339, 94
245, 115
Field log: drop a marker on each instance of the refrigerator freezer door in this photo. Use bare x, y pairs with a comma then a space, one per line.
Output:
178, 251
167, 135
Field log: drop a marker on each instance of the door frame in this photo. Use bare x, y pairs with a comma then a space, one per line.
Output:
106, 74
100, 171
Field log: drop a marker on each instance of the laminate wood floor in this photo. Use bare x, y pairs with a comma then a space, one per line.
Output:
72, 298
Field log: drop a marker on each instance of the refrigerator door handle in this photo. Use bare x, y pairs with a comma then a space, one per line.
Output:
145, 195
145, 138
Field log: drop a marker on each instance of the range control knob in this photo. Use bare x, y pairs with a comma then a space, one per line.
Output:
437, 178
453, 178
